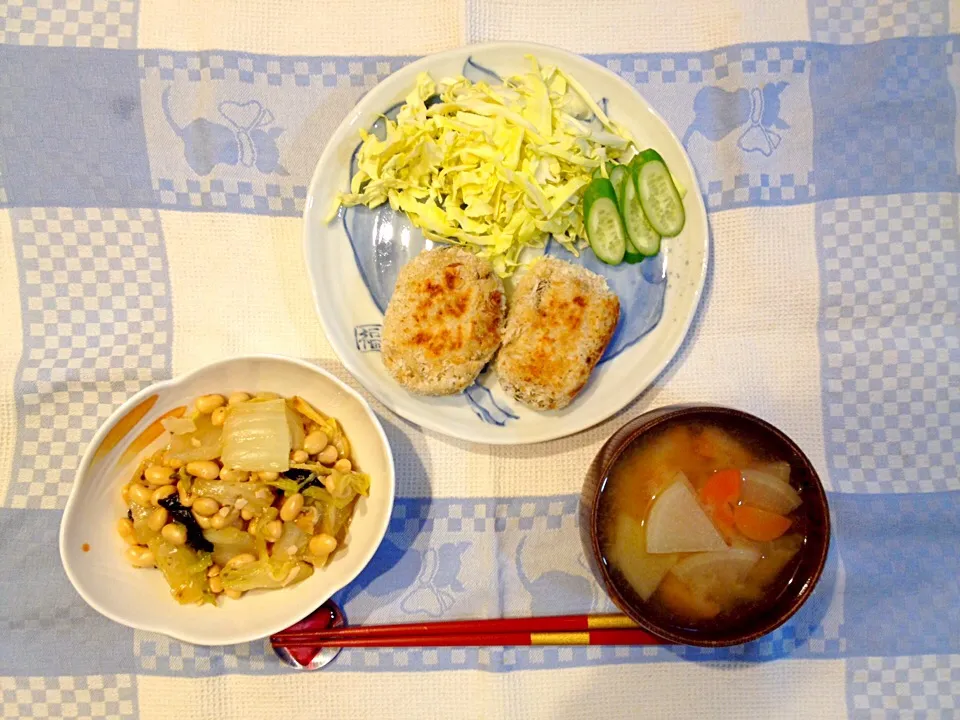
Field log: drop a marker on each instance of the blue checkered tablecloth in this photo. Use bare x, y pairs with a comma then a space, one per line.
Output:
154, 162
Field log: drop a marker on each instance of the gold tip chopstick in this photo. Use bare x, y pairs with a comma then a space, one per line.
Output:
555, 630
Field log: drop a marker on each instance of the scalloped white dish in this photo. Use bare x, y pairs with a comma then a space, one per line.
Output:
92, 551
353, 262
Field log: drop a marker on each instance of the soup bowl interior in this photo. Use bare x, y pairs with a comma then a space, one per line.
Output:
782, 601
92, 552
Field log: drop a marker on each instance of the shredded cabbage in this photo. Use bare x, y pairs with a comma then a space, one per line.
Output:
292, 542
340, 489
324, 497
266, 573
185, 571
338, 438
179, 425
228, 542
257, 496
139, 515
260, 530
494, 168
288, 486
201, 444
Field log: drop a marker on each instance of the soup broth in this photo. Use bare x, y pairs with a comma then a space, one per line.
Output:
701, 523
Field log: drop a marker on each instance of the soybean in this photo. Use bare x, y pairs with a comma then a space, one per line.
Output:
206, 506
159, 475
233, 475
141, 494
315, 442
328, 456
126, 531
164, 491
291, 507
322, 544
174, 533
206, 404
157, 518
139, 556
206, 469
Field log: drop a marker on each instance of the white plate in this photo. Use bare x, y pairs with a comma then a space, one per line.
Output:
353, 272
92, 551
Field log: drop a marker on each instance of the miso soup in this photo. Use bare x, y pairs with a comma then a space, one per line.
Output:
701, 522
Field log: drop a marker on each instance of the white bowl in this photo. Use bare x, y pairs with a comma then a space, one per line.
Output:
92, 551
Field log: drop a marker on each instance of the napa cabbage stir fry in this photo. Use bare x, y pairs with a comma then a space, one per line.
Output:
250, 493
495, 168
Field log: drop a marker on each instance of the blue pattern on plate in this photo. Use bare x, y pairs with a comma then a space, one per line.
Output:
383, 240
475, 72
641, 290
485, 407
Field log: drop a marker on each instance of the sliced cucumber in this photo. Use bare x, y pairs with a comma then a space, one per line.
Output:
632, 257
604, 225
598, 172
658, 195
618, 175
641, 234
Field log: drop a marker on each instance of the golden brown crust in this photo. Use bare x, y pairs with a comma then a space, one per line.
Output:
444, 321
561, 320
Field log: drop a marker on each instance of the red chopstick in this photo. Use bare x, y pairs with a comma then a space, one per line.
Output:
556, 623
480, 639
555, 630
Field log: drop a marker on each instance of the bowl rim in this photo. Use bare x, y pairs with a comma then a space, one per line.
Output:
611, 451
121, 411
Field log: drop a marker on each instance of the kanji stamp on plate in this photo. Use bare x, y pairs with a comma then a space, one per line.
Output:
367, 337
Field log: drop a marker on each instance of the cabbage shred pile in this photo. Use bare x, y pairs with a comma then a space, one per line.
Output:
494, 168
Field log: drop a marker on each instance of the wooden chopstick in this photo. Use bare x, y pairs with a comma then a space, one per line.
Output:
632, 636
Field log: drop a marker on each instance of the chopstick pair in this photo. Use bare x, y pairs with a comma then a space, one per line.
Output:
557, 630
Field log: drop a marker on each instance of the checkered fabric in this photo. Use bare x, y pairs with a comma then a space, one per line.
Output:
277, 71
920, 686
100, 696
155, 160
865, 21
711, 66
231, 195
69, 23
891, 342
97, 329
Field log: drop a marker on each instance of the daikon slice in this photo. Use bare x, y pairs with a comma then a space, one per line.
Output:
714, 570
778, 469
677, 523
764, 491
628, 553
777, 554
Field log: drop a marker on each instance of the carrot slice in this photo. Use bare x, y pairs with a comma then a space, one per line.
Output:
721, 493
760, 525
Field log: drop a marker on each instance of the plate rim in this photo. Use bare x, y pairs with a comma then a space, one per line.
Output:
424, 420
